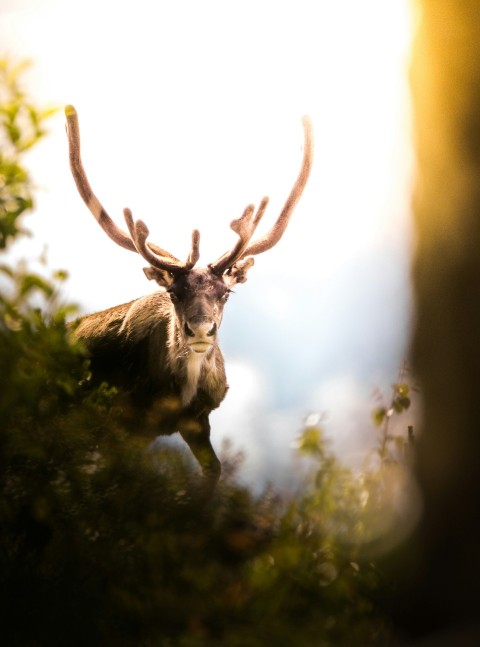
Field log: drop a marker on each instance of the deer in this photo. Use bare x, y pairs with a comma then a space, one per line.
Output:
161, 351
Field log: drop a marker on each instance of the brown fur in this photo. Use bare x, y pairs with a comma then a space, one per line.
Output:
140, 348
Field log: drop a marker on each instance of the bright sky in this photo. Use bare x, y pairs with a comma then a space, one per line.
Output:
191, 110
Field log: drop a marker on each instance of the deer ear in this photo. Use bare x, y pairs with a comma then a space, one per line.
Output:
238, 272
162, 277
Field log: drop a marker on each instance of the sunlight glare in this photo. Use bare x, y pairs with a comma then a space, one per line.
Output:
187, 120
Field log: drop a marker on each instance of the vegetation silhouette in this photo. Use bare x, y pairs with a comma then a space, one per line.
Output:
107, 542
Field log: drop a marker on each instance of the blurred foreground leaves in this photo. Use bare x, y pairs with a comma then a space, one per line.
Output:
21, 127
106, 541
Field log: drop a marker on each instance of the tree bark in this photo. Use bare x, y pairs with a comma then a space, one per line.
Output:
444, 554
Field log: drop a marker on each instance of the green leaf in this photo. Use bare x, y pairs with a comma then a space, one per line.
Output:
311, 442
60, 275
402, 390
405, 402
379, 416
400, 404
31, 282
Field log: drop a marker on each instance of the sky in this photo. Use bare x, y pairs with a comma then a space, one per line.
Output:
191, 110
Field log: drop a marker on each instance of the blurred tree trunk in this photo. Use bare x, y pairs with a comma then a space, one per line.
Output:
445, 590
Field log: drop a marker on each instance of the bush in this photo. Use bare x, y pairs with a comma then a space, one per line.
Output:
21, 127
108, 542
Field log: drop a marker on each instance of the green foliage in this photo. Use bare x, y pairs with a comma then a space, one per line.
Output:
21, 127
106, 541
393, 446
400, 402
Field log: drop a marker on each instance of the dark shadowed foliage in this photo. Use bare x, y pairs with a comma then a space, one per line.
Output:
107, 541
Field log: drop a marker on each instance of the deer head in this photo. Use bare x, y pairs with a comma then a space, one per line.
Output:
197, 295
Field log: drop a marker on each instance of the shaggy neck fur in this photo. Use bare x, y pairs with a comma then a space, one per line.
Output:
185, 363
194, 365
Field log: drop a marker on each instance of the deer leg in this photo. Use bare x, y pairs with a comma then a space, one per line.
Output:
196, 433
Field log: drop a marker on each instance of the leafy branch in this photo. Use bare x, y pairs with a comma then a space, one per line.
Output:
21, 126
400, 401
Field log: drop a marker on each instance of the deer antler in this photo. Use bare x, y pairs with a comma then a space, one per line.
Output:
156, 255
139, 234
246, 225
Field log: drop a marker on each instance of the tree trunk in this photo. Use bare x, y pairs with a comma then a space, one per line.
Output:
444, 592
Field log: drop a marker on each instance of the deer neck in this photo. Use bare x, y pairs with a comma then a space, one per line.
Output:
187, 366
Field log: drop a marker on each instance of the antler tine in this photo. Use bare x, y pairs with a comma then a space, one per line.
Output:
139, 233
244, 227
195, 250
272, 237
84, 188
93, 203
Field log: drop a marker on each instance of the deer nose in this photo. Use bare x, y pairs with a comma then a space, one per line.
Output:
200, 328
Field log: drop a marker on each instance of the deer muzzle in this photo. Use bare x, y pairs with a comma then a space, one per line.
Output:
201, 333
